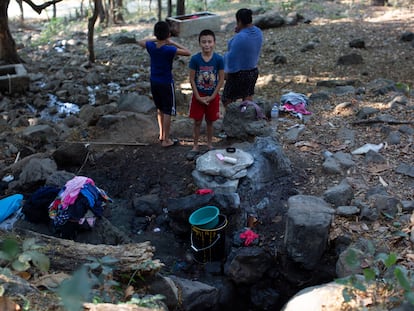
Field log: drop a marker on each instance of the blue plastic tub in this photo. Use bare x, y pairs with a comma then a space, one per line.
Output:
206, 217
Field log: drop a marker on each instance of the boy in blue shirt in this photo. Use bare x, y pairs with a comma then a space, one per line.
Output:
206, 78
162, 51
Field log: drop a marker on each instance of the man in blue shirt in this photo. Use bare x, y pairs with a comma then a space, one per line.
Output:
240, 61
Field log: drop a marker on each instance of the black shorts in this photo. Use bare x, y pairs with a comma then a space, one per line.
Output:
240, 85
164, 97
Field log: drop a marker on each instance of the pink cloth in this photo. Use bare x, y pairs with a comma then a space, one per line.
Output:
299, 108
249, 237
72, 188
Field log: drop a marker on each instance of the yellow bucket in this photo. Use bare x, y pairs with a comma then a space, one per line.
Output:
209, 244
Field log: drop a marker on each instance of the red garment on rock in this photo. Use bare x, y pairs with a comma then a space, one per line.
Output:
249, 236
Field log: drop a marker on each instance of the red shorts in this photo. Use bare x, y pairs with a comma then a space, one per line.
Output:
211, 111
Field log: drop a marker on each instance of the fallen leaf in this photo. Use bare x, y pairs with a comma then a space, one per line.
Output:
410, 257
25, 275
129, 291
306, 144
51, 281
378, 168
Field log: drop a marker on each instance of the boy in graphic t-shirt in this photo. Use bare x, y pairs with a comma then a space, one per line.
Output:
206, 78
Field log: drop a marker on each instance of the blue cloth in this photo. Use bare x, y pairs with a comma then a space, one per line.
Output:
161, 62
10, 205
206, 73
294, 98
243, 50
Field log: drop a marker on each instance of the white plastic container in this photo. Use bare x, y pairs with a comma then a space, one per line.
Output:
274, 116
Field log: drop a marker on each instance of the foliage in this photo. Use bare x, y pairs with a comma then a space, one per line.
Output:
141, 267
149, 301
405, 88
51, 28
94, 282
22, 257
384, 281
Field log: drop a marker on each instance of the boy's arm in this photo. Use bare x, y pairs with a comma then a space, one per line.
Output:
181, 50
142, 43
193, 85
219, 83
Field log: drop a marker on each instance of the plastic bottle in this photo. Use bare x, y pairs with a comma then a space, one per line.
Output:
274, 115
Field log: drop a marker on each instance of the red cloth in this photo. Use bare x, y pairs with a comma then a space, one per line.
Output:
249, 237
204, 191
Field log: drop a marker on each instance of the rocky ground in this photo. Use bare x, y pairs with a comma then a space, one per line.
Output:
311, 50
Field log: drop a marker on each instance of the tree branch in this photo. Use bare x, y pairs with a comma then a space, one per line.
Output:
41, 7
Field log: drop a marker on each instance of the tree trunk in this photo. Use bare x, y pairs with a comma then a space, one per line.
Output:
20, 3
159, 10
180, 7
379, 2
8, 52
118, 17
169, 8
91, 29
67, 255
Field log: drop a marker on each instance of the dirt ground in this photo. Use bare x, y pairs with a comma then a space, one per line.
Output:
130, 170
125, 171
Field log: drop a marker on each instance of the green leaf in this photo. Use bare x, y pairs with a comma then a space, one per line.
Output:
93, 265
74, 291
396, 224
391, 260
402, 279
371, 247
351, 258
108, 260
25, 257
40, 261
389, 216
342, 281
11, 247
28, 244
382, 257
369, 274
360, 286
410, 297
20, 266
400, 234
5, 256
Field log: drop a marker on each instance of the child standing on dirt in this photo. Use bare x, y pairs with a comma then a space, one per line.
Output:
206, 78
162, 51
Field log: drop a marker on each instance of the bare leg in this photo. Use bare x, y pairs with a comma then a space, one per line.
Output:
160, 119
196, 133
209, 134
166, 131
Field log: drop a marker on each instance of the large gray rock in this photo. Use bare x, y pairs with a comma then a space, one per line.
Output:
246, 265
307, 229
210, 164
35, 171
341, 194
270, 162
128, 127
195, 295
244, 123
136, 103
